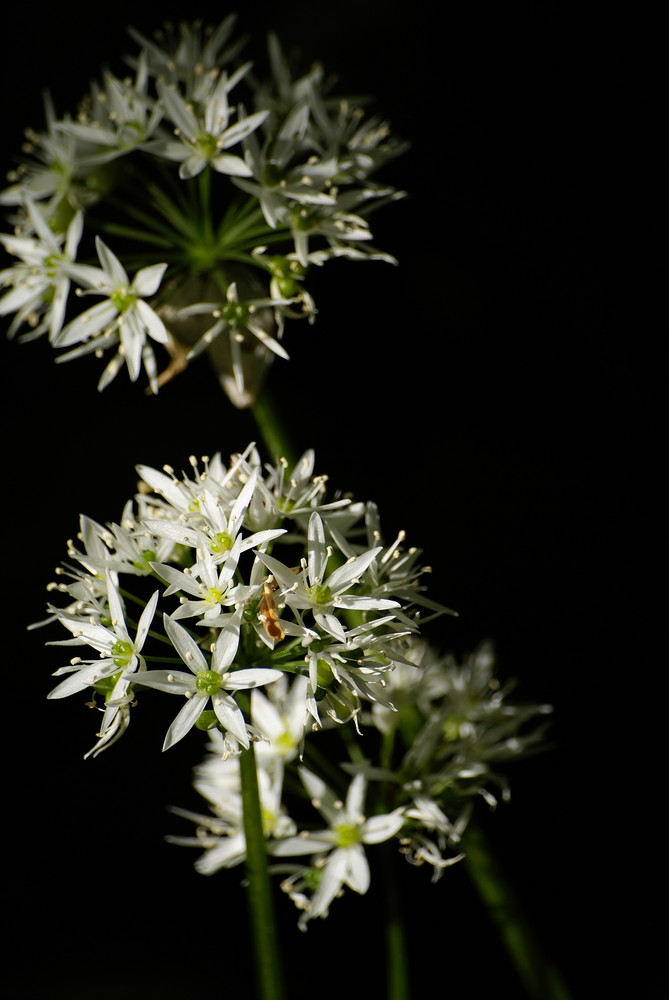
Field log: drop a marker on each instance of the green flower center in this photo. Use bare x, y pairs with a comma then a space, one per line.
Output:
235, 314
208, 682
347, 835
123, 300
105, 685
208, 143
50, 264
147, 556
213, 595
320, 593
122, 653
222, 542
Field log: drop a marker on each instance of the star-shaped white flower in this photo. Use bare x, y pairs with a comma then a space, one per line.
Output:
207, 682
119, 653
208, 582
343, 860
324, 594
214, 525
41, 282
203, 137
123, 314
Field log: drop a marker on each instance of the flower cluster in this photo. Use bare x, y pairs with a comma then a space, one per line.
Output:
450, 724
280, 618
192, 198
252, 573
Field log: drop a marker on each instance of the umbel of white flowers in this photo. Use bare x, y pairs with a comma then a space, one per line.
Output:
279, 616
216, 190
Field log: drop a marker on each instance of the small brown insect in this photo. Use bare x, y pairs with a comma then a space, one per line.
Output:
267, 611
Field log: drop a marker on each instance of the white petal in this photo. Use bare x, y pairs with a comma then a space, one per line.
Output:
145, 621
317, 552
345, 575
230, 716
357, 869
185, 720
152, 322
186, 647
91, 321
147, 280
233, 165
251, 677
225, 650
111, 264
241, 129
380, 828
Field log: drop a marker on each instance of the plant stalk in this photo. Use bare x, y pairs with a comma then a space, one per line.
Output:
262, 916
541, 978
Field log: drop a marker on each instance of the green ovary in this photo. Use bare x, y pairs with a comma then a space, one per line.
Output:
235, 314
324, 675
213, 595
208, 144
208, 682
123, 300
148, 556
347, 835
320, 594
105, 685
122, 653
222, 542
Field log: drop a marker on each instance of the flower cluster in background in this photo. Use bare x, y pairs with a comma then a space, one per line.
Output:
190, 198
279, 616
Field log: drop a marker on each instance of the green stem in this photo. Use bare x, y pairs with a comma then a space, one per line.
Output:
271, 429
259, 889
541, 978
398, 972
397, 965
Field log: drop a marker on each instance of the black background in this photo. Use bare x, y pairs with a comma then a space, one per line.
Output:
484, 395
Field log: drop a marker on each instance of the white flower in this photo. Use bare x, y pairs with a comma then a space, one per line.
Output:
58, 176
221, 834
190, 53
287, 492
41, 282
236, 318
209, 582
119, 117
342, 856
207, 682
123, 548
119, 654
123, 313
202, 138
323, 594
280, 715
216, 524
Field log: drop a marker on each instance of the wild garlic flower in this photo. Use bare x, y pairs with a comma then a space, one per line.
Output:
119, 654
207, 680
217, 187
123, 316
236, 616
220, 833
40, 284
340, 847
457, 725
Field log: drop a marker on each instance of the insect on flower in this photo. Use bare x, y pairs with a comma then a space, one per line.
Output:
267, 611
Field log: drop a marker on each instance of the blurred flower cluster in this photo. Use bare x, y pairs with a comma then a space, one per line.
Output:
191, 198
279, 616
